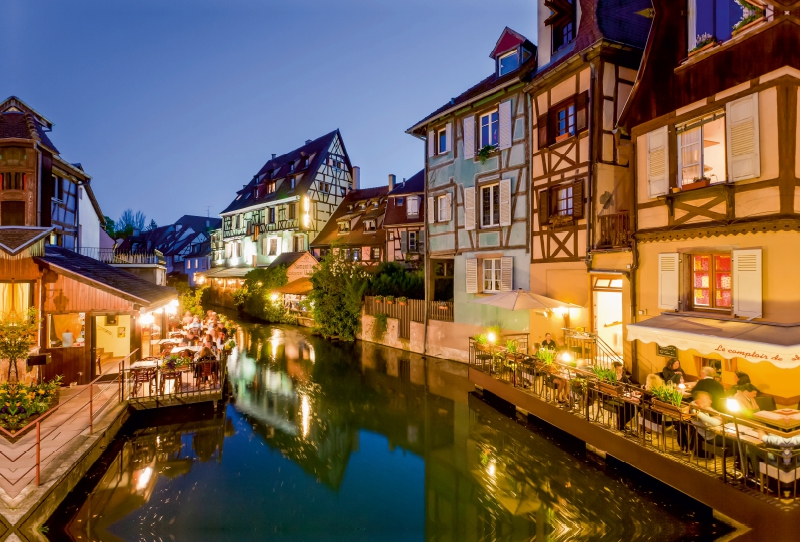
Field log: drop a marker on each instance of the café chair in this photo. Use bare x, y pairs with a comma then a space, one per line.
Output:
766, 402
174, 377
142, 377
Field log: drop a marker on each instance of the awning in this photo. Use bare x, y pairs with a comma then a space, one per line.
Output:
228, 273
755, 342
297, 287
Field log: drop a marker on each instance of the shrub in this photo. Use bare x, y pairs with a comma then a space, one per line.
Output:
20, 402
393, 279
339, 286
256, 298
381, 324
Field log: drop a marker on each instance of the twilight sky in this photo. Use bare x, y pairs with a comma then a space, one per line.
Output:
172, 106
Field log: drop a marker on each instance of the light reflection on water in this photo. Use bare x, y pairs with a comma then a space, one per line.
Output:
327, 441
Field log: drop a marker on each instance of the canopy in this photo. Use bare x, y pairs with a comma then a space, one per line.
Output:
755, 342
520, 300
298, 287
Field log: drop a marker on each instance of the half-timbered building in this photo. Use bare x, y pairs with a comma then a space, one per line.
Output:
714, 128
477, 193
582, 195
356, 227
405, 220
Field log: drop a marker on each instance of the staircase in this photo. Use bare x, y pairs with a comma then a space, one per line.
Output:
590, 346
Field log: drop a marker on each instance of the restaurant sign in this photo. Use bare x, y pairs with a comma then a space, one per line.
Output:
667, 351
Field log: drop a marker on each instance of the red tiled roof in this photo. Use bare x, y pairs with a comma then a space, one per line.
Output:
357, 237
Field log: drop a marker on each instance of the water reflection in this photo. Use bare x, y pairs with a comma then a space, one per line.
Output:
357, 442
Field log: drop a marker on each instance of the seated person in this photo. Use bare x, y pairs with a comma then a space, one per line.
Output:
746, 397
672, 371
549, 343
195, 323
707, 418
708, 384
622, 375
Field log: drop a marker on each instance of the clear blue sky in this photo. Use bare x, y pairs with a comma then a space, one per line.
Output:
172, 105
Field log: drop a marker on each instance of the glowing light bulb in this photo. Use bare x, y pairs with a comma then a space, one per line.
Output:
733, 405
491, 336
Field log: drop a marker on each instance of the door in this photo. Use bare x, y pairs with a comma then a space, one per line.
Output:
608, 318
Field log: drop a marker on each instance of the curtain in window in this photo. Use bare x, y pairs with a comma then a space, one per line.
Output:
690, 154
15, 297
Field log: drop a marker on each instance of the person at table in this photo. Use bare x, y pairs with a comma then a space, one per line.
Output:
205, 354
708, 384
652, 420
187, 319
746, 397
549, 343
707, 419
196, 325
672, 371
622, 375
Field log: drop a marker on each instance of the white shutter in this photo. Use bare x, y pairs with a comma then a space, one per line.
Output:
449, 136
472, 275
741, 123
505, 125
403, 241
469, 137
505, 202
431, 211
658, 162
506, 273
469, 207
668, 273
448, 202
747, 283
431, 140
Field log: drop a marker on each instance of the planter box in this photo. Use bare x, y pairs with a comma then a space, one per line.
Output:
671, 410
695, 185
705, 47
748, 25
609, 389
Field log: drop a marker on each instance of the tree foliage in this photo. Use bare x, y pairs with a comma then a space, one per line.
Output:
151, 226
128, 222
17, 336
393, 279
192, 299
339, 286
256, 298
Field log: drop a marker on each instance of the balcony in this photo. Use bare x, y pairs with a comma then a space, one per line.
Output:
615, 230
112, 256
290, 224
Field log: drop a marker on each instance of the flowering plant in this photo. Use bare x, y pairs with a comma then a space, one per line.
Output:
172, 362
702, 40
750, 13
17, 336
18, 401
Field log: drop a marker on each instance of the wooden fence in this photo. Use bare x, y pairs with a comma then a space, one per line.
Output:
412, 311
441, 310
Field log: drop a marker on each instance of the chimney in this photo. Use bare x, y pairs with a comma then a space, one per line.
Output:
392, 182
274, 155
356, 177
308, 141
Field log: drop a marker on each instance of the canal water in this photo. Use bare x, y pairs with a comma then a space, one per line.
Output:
357, 442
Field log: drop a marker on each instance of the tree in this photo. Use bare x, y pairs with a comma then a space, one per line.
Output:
339, 286
256, 297
130, 221
151, 226
393, 279
17, 336
110, 226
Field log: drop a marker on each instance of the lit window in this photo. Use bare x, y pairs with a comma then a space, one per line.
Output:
508, 62
369, 225
711, 281
344, 226
490, 205
412, 241
490, 128
376, 253
273, 246
270, 188
701, 150
491, 275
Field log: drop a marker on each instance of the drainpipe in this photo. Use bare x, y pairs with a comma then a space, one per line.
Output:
427, 259
592, 164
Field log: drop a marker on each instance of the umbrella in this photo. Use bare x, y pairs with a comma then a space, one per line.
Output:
520, 300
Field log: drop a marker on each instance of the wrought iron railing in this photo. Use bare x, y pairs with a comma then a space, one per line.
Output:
615, 230
288, 224
113, 256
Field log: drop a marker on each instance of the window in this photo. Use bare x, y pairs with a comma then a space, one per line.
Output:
356, 254
188, 264
369, 225
281, 213
15, 297
399, 202
490, 205
413, 206
508, 63
273, 246
701, 150
291, 167
270, 188
271, 212
565, 121
412, 241
15, 180
391, 235
305, 162
711, 281
292, 211
344, 226
12, 213
299, 243
715, 20
563, 24
324, 187
490, 128
491, 275
66, 330
441, 208
238, 249
292, 182
376, 253
563, 201
441, 141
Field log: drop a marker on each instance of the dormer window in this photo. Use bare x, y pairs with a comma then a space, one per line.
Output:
369, 225
291, 167
561, 22
305, 162
271, 187
292, 182
508, 62
344, 226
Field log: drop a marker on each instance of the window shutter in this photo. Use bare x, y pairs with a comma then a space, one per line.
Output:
472, 275
469, 137
657, 162
469, 207
577, 200
544, 206
449, 136
504, 140
506, 273
505, 202
431, 141
431, 210
741, 123
542, 127
420, 240
582, 111
403, 242
668, 271
448, 201
747, 283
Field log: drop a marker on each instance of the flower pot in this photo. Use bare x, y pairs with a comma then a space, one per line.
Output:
608, 389
401, 303
705, 47
670, 409
748, 25
390, 302
695, 185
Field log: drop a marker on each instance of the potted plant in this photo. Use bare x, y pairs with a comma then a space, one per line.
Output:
606, 380
668, 399
389, 300
402, 300
546, 358
230, 345
751, 16
697, 182
378, 299
481, 342
486, 152
704, 41
442, 305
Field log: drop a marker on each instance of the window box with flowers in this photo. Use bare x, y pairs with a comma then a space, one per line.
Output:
705, 41
402, 300
702, 182
752, 15
389, 299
